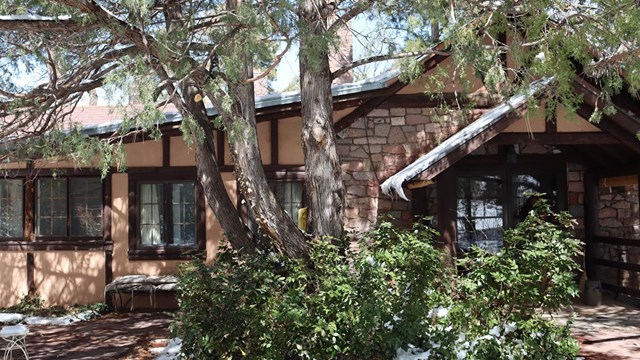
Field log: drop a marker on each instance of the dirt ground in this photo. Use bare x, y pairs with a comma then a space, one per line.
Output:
610, 331
113, 336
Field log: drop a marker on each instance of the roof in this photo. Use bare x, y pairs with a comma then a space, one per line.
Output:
461, 138
98, 120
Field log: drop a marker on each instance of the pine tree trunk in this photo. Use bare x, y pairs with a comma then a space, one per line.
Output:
323, 175
243, 140
239, 235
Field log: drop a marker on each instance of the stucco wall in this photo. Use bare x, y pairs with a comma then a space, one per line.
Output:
13, 277
70, 277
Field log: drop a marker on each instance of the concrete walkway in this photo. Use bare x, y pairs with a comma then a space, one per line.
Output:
609, 331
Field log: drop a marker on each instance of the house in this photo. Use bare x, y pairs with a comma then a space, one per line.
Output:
65, 233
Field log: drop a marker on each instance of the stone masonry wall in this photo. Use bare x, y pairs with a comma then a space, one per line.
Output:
380, 144
619, 218
575, 197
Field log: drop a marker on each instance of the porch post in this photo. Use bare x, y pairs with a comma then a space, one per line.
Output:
446, 188
590, 219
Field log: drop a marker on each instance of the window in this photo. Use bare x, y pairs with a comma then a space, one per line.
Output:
167, 214
289, 195
489, 202
480, 212
68, 207
11, 208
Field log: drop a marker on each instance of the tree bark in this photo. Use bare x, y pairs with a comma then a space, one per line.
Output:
238, 234
243, 140
323, 174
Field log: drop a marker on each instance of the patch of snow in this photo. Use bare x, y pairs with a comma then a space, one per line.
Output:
29, 17
510, 327
172, 351
412, 354
495, 331
62, 320
10, 318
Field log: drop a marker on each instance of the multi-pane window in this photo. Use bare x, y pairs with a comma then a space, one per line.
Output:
289, 195
486, 204
11, 208
167, 213
480, 213
86, 206
68, 207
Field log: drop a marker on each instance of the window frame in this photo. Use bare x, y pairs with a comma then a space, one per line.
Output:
68, 238
552, 166
23, 215
138, 251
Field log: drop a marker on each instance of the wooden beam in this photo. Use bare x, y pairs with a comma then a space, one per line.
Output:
625, 180
479, 101
572, 138
612, 127
274, 136
591, 220
472, 144
447, 215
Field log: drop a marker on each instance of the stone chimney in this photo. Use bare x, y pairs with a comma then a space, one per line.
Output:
93, 97
343, 55
261, 87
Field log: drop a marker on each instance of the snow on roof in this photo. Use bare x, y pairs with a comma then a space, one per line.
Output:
395, 182
29, 17
101, 120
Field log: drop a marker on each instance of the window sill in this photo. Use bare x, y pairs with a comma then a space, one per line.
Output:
161, 253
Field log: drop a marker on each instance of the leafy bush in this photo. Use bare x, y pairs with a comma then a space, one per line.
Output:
29, 304
393, 293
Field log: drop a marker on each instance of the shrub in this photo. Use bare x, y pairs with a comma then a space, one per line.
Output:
393, 293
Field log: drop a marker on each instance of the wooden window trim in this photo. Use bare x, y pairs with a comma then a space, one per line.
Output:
56, 239
30, 241
164, 175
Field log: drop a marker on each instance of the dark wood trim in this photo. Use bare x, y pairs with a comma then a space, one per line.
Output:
274, 136
616, 241
30, 174
472, 144
446, 194
621, 124
106, 228
166, 150
220, 138
621, 289
168, 252
28, 246
572, 138
31, 281
591, 217
481, 101
165, 254
374, 102
617, 265
29, 209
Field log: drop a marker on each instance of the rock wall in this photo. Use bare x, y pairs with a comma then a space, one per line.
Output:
380, 144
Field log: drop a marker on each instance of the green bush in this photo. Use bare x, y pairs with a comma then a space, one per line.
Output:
392, 296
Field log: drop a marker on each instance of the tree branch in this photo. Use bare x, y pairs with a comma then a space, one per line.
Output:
341, 71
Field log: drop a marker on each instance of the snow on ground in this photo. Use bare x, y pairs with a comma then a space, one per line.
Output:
10, 318
170, 352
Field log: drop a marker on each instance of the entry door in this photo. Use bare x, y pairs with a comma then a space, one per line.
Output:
489, 203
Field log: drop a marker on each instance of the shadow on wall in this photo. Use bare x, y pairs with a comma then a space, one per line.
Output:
70, 277
13, 275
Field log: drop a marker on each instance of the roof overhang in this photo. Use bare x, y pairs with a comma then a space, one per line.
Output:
465, 141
